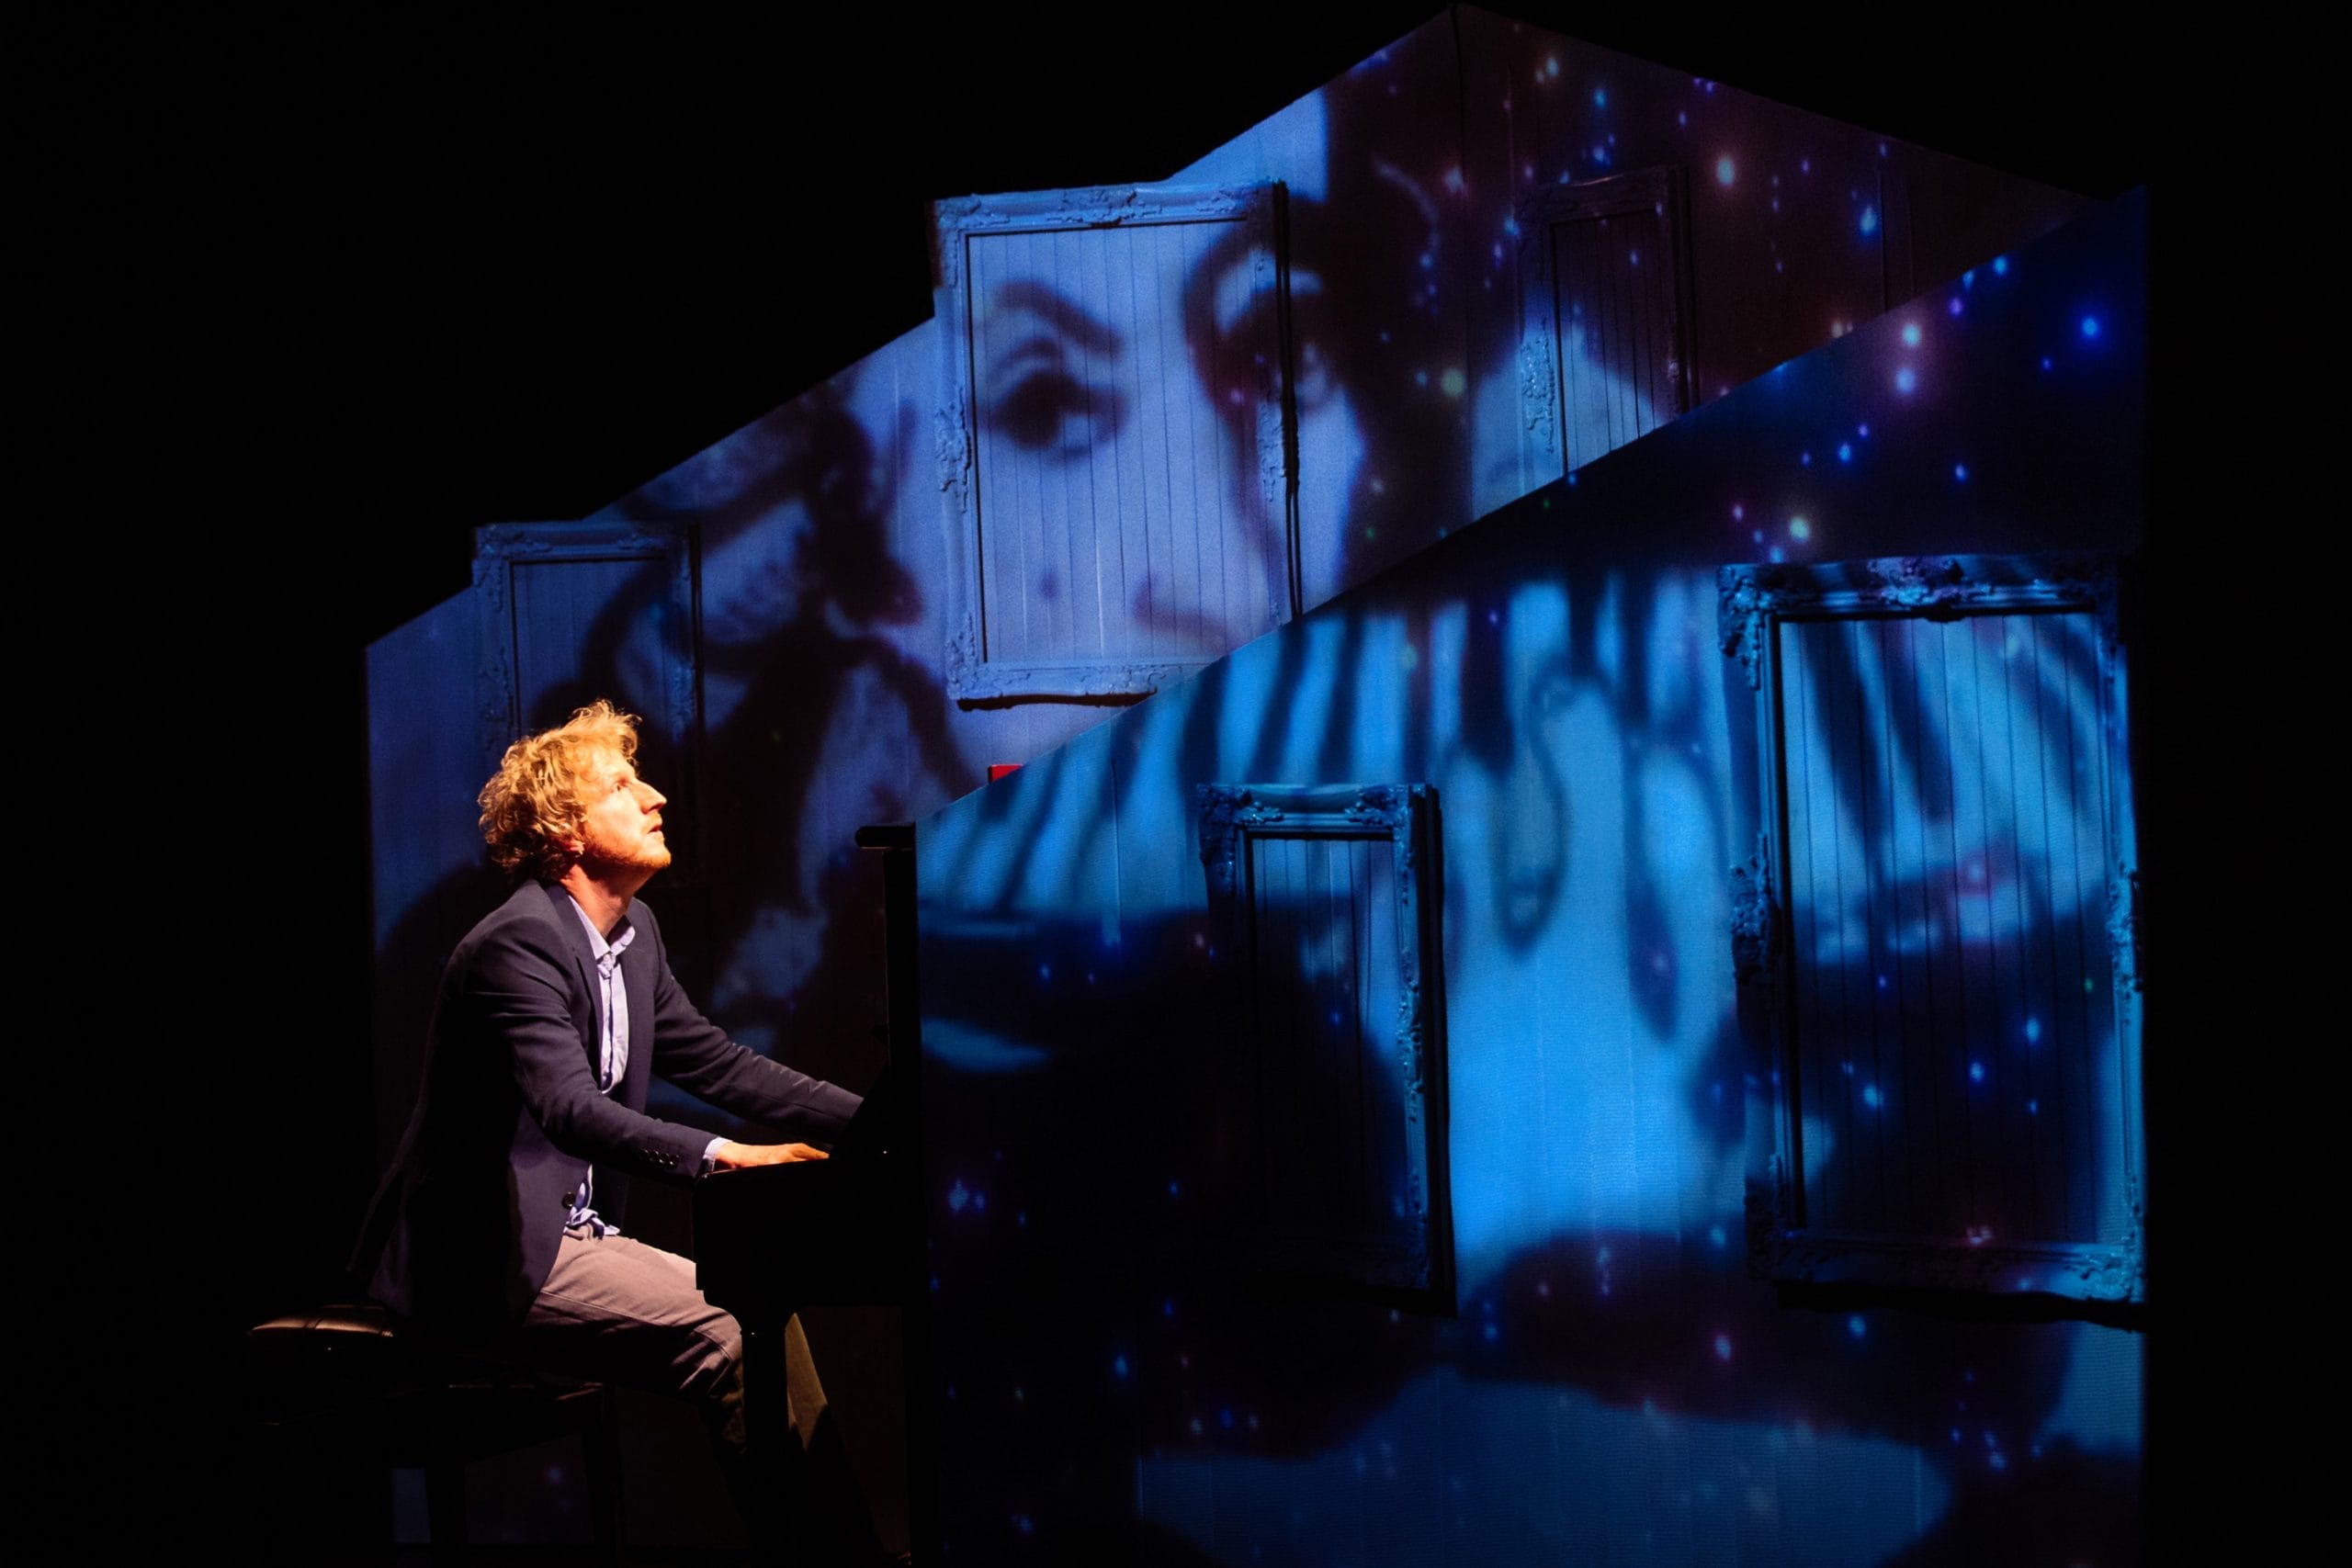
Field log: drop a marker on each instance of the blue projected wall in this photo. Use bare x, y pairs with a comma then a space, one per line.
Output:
1571, 693
819, 681
1615, 1385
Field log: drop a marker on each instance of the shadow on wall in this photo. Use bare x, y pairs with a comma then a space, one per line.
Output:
1613, 1384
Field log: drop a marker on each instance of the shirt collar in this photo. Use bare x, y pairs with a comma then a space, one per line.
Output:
597, 946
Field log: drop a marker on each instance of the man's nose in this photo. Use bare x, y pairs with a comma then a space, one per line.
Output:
652, 798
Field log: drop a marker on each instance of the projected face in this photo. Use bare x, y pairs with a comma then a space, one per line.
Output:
1125, 384
1946, 824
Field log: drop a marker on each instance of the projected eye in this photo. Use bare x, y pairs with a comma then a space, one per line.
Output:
1052, 375
1048, 410
1316, 385
1245, 308
1319, 382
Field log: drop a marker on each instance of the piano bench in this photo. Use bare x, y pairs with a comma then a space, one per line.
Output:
340, 1389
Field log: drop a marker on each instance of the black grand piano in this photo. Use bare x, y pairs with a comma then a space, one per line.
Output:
846, 1231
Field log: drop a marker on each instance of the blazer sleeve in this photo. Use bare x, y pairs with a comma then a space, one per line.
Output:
522, 995
695, 1054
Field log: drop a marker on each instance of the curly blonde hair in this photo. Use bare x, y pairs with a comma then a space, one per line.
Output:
531, 808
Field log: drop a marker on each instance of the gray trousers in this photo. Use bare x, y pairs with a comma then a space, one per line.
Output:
616, 1310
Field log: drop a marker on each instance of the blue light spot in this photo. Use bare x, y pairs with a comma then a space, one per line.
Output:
2032, 1031
1805, 459
1844, 451
1910, 334
1601, 97
1954, 306
1724, 173
1800, 529
1869, 219
2045, 362
1959, 472
1864, 430
1118, 1366
1882, 982
2001, 265
2033, 1107
1777, 556
957, 1197
1225, 1419
2090, 326
1715, 1235
1168, 1307
1905, 379
1173, 1190
1723, 1347
1871, 1096
1968, 279
1856, 1326
2000, 1460
1975, 1072
1489, 1334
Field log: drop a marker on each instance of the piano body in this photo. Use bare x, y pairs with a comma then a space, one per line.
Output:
846, 1231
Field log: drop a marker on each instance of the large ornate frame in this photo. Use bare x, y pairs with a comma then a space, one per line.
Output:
973, 675
1752, 604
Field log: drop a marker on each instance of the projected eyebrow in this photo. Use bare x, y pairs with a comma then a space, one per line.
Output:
1044, 381
1064, 315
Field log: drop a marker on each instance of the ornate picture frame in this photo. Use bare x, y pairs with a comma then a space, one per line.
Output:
1401, 1247
981, 668
1764, 613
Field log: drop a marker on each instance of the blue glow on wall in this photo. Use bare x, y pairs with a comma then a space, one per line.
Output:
1553, 672
1564, 694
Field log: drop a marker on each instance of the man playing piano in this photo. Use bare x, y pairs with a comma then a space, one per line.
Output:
498, 1224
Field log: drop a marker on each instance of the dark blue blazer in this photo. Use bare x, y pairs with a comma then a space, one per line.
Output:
464, 1228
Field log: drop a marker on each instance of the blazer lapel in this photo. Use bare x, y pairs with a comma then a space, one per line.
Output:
574, 931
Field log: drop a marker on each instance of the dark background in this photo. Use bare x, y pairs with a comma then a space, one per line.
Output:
309, 300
